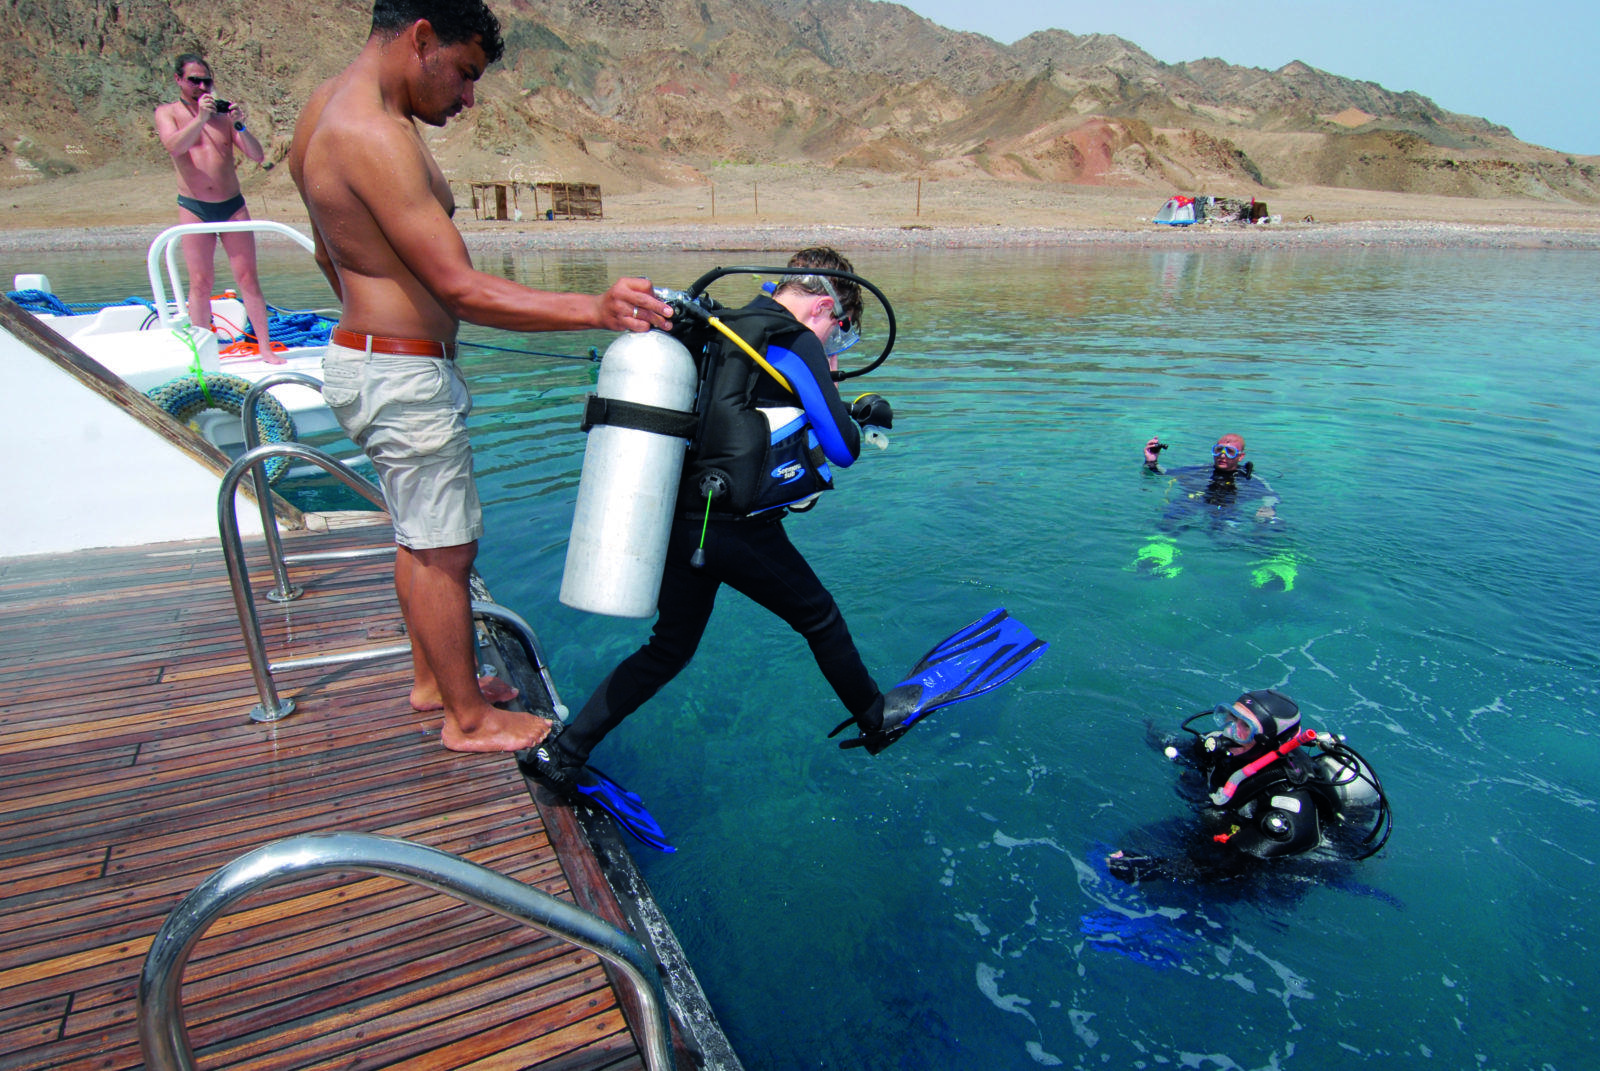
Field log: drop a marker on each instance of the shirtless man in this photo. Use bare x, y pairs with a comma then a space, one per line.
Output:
380, 212
201, 139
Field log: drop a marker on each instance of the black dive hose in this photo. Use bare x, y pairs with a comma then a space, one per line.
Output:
1384, 823
698, 287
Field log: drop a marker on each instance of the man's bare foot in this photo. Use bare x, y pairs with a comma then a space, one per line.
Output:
268, 357
500, 730
494, 691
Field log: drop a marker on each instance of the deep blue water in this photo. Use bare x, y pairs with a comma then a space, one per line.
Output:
1430, 420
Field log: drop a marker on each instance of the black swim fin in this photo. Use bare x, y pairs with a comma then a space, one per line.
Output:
982, 656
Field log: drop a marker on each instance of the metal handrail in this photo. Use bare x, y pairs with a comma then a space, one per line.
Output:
163, 1034
284, 591
253, 461
530, 645
167, 243
272, 707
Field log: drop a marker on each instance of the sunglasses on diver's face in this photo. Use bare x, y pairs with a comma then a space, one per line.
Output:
203, 83
1224, 450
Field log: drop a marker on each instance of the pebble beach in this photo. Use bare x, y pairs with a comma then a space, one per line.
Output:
773, 208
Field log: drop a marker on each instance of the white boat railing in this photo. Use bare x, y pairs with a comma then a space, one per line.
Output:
166, 245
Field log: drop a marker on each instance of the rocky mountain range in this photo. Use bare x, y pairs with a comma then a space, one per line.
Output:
635, 93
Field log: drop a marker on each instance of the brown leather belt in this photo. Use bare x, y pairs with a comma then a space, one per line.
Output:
405, 347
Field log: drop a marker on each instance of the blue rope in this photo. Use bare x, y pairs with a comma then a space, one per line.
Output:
298, 328
45, 301
593, 354
294, 329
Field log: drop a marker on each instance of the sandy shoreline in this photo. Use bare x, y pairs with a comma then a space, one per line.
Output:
760, 208
775, 237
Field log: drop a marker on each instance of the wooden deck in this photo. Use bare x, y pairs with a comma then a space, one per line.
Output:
129, 771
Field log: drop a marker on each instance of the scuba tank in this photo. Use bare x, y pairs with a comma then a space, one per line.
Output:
639, 422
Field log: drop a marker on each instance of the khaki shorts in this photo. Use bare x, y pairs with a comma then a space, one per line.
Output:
409, 414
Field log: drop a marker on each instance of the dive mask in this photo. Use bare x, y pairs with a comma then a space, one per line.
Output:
845, 332
1234, 726
1223, 450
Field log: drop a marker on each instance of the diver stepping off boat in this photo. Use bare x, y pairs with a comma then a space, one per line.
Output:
766, 431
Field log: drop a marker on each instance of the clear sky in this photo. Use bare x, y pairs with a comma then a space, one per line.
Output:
1531, 66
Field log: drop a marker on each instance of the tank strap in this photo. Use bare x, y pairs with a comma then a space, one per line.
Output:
640, 417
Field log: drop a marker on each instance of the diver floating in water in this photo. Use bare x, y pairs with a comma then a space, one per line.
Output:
1266, 789
1227, 497
1224, 492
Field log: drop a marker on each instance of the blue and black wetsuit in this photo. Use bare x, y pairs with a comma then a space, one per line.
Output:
745, 544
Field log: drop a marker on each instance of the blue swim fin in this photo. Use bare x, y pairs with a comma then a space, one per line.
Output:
573, 783
626, 807
982, 656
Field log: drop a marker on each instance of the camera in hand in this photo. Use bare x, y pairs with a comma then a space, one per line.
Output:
223, 106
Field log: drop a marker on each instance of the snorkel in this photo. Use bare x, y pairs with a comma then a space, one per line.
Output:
1339, 767
1225, 793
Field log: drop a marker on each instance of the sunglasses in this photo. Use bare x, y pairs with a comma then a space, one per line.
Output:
1223, 450
202, 82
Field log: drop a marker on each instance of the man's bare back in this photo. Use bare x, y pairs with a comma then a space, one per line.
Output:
361, 154
381, 207
380, 213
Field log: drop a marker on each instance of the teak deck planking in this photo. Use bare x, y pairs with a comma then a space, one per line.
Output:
130, 771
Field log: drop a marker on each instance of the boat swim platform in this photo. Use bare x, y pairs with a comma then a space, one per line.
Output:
130, 771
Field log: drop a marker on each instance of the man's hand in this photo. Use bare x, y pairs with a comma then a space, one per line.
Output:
631, 305
1152, 451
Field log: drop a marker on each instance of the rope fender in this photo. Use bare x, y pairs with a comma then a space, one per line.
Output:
187, 397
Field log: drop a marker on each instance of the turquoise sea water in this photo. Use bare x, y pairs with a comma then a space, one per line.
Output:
1430, 420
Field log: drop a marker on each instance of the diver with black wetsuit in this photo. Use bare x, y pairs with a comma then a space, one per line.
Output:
1263, 794
1222, 492
762, 451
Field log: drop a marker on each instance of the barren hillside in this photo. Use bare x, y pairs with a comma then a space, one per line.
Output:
641, 94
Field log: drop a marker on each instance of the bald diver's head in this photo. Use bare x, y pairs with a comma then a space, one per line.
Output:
1228, 452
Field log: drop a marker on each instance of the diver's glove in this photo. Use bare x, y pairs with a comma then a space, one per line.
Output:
872, 411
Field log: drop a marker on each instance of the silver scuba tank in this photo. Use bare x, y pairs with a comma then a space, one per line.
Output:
639, 420
1352, 781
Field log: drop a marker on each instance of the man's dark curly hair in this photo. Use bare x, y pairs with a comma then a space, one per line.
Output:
456, 22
